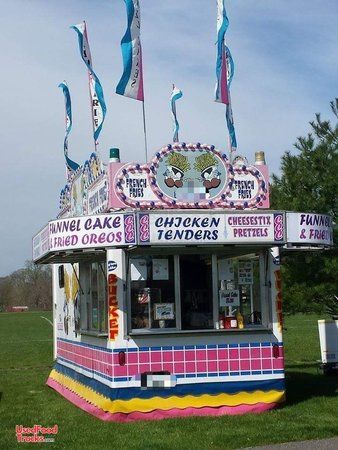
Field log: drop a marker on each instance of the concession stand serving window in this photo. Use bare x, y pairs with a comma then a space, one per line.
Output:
93, 297
83, 275
197, 289
153, 292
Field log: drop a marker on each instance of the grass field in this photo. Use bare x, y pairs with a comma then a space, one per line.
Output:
311, 410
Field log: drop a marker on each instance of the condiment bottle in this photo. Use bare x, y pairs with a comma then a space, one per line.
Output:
240, 320
233, 322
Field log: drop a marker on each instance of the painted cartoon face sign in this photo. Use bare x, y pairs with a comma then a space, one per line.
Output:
191, 175
208, 166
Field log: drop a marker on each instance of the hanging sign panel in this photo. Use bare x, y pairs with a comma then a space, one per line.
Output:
164, 311
160, 269
229, 298
245, 272
97, 196
77, 195
210, 228
138, 270
225, 269
308, 228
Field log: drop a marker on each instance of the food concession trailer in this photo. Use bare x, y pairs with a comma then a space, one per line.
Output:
167, 285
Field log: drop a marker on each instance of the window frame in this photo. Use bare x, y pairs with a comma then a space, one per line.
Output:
177, 294
86, 318
265, 305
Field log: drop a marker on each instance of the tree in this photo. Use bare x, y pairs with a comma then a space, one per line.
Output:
309, 183
30, 286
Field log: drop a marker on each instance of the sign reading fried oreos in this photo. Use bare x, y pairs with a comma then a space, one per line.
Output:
96, 231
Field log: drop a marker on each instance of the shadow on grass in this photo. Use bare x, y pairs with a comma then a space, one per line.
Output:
303, 365
302, 386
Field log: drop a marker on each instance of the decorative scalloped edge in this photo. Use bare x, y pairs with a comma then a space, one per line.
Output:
157, 413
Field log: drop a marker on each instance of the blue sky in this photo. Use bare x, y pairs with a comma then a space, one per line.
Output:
286, 70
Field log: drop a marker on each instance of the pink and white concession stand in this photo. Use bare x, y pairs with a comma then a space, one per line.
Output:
167, 285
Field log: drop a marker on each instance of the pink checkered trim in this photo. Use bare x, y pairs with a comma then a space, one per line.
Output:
186, 362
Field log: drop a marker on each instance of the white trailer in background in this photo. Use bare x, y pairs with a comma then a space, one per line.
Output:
328, 337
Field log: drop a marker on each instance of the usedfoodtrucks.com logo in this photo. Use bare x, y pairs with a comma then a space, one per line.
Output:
36, 433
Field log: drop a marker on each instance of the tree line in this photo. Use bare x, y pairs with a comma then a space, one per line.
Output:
30, 286
309, 183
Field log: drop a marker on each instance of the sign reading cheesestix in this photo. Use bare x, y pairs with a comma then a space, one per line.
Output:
210, 228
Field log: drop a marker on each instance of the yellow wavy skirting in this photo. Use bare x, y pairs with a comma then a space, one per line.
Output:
149, 404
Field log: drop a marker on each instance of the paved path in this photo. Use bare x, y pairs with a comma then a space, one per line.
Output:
322, 444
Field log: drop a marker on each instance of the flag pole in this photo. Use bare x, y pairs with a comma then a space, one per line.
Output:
145, 130
90, 92
230, 149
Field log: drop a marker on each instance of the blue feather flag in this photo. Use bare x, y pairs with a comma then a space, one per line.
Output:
71, 165
224, 71
175, 95
131, 82
221, 90
96, 92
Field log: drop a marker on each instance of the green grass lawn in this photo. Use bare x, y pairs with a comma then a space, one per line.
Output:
311, 410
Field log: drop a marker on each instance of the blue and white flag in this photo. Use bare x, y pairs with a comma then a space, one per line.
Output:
231, 127
131, 82
96, 93
224, 71
228, 114
221, 90
71, 165
230, 67
176, 94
